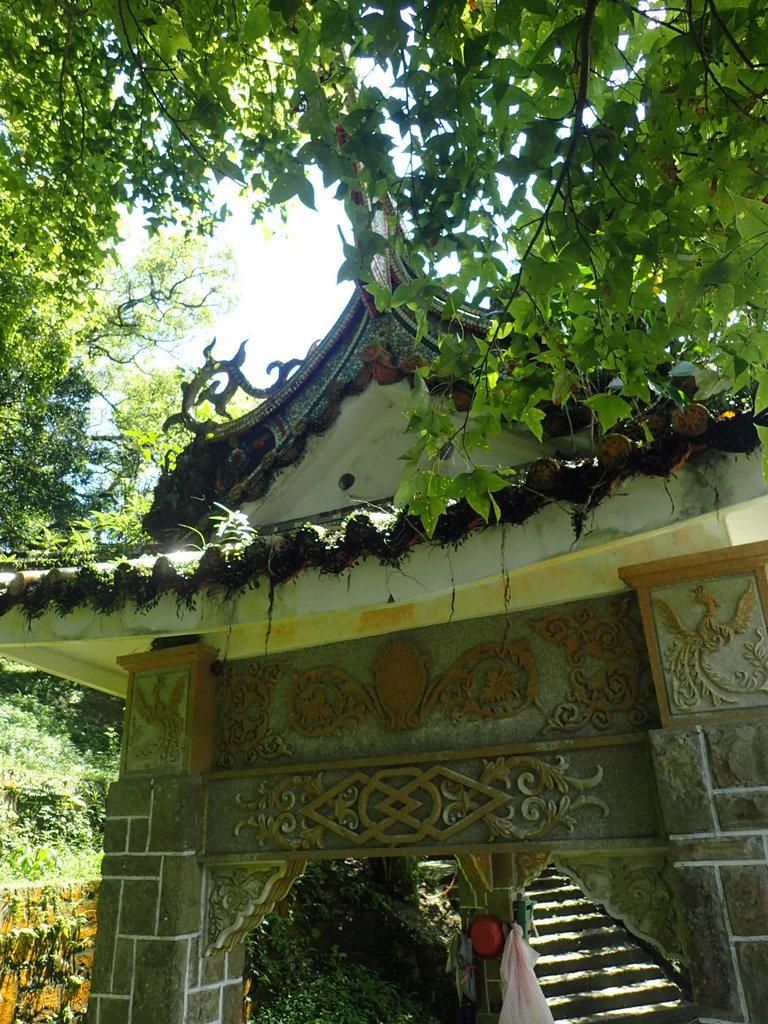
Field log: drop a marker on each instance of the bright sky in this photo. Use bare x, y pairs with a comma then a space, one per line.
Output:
286, 278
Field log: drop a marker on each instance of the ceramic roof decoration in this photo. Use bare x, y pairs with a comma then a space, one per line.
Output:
235, 461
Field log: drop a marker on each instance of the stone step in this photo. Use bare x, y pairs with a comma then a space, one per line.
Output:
573, 960
590, 969
586, 939
551, 908
569, 922
618, 997
565, 982
670, 1012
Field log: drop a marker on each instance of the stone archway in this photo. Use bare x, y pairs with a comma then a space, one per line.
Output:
524, 735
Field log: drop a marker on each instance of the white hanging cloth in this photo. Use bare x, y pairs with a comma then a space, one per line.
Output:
523, 1001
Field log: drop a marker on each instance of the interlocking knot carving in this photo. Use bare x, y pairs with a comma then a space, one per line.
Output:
512, 798
492, 680
609, 675
694, 680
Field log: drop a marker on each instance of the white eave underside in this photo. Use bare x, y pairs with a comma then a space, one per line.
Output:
715, 504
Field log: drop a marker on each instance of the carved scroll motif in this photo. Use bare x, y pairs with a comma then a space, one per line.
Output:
513, 798
491, 680
608, 674
240, 897
158, 719
640, 891
693, 679
244, 730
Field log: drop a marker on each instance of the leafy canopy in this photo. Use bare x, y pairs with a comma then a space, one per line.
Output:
593, 172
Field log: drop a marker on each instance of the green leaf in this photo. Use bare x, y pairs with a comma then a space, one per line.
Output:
609, 409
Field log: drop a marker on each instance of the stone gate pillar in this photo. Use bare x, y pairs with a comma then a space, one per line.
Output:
705, 622
489, 884
150, 960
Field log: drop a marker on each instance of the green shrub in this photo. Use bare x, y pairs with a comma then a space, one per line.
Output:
59, 748
336, 992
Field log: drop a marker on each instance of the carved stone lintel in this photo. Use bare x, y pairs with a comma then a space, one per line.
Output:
239, 897
638, 889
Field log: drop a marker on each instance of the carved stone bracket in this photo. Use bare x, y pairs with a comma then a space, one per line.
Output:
477, 871
513, 871
638, 889
239, 897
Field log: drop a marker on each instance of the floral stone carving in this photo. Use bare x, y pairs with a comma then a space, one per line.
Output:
696, 678
513, 798
492, 680
609, 675
240, 897
244, 727
639, 890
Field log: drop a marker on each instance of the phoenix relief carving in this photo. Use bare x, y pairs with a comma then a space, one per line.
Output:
158, 718
694, 679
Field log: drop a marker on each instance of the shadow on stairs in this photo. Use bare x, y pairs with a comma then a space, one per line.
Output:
592, 970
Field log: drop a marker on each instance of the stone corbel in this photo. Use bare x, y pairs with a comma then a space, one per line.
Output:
638, 889
239, 897
514, 871
477, 871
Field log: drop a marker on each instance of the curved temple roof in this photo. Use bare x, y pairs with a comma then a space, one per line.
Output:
235, 462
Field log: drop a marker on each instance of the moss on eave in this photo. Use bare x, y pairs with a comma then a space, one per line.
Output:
273, 560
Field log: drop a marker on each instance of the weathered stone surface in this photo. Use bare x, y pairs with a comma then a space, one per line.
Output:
712, 971
138, 833
232, 1003
180, 908
175, 814
116, 835
138, 910
161, 974
213, 968
122, 972
743, 810
738, 754
685, 805
236, 962
719, 848
753, 961
746, 896
204, 1005
128, 797
109, 1010
129, 865
107, 911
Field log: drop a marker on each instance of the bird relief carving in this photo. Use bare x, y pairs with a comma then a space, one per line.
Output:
158, 720
721, 660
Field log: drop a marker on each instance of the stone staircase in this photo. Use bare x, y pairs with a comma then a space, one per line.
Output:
591, 969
